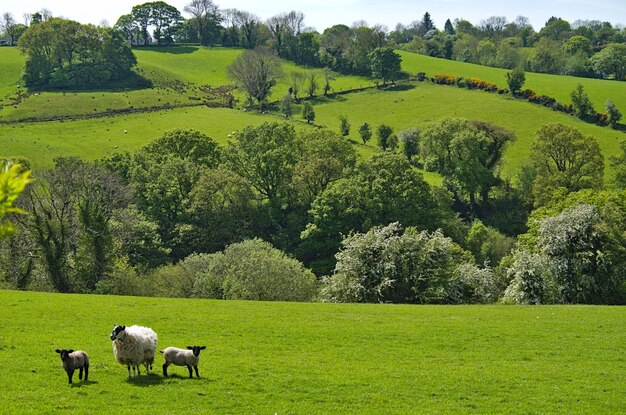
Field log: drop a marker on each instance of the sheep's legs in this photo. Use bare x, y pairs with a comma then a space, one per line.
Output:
80, 374
86, 372
190, 371
70, 373
196, 368
165, 365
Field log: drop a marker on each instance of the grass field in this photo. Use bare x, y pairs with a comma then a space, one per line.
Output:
427, 103
555, 86
267, 358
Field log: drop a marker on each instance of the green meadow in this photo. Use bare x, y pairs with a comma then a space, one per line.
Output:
289, 358
556, 86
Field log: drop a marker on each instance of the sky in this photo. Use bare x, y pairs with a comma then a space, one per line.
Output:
321, 14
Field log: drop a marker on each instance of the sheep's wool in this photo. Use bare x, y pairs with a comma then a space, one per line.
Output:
136, 347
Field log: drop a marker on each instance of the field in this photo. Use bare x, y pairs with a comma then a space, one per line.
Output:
317, 358
555, 86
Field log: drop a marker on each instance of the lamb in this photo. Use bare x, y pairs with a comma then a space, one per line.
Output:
133, 346
182, 357
73, 360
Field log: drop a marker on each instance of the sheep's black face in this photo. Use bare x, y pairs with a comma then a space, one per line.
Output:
65, 354
117, 330
196, 349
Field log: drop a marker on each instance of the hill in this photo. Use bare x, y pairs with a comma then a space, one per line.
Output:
556, 86
317, 358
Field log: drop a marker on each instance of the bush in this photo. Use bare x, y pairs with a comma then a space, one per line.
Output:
472, 285
444, 79
421, 76
254, 270
528, 280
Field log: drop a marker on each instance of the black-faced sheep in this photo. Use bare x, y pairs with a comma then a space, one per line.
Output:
133, 346
182, 357
73, 360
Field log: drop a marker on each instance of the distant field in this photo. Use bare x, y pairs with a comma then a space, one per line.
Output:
269, 358
556, 86
427, 103
167, 66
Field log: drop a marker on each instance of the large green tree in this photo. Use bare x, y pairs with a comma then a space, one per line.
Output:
385, 64
256, 72
611, 61
564, 158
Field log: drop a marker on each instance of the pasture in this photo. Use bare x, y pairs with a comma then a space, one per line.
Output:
556, 86
289, 358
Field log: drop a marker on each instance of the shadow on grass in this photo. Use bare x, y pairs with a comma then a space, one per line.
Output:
398, 87
620, 127
80, 384
146, 380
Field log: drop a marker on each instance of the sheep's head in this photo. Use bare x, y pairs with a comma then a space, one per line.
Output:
196, 349
65, 354
118, 332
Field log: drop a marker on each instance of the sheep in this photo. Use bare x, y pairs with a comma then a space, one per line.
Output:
133, 346
73, 360
182, 357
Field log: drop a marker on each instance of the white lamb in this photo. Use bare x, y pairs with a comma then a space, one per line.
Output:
182, 357
133, 346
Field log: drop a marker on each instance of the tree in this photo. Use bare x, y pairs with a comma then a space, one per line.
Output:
312, 84
613, 113
286, 105
385, 64
564, 158
582, 104
329, 75
254, 270
296, 83
611, 61
467, 154
618, 163
206, 19
344, 125
8, 26
448, 28
426, 24
13, 181
381, 190
410, 140
256, 72
388, 265
365, 132
163, 17
308, 113
515, 80
265, 156
384, 132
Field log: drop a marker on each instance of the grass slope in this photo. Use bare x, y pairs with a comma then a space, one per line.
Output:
317, 358
170, 68
556, 86
427, 103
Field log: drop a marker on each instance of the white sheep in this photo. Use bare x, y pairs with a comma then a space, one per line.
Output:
73, 360
133, 346
182, 357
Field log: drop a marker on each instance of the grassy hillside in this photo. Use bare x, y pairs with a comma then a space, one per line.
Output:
177, 72
556, 86
427, 103
317, 358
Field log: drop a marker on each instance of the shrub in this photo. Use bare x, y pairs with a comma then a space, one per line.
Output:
255, 270
421, 76
472, 285
444, 79
528, 280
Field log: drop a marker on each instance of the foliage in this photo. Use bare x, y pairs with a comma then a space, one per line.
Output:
365, 132
564, 158
254, 270
472, 285
344, 125
410, 142
466, 153
384, 132
611, 61
381, 190
385, 64
13, 181
528, 280
388, 265
613, 113
487, 244
582, 104
286, 105
256, 72
308, 113
618, 162
67, 55
515, 80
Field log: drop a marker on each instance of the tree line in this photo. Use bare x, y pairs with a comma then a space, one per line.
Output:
186, 217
